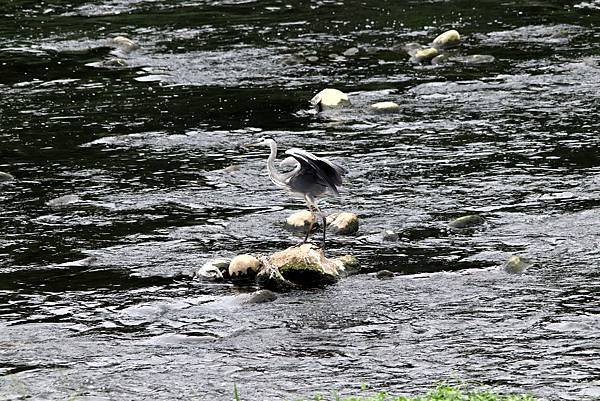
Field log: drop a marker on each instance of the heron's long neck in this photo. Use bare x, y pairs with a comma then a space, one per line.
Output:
274, 175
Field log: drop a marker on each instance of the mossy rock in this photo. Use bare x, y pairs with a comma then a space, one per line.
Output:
516, 265
468, 221
301, 221
342, 223
303, 266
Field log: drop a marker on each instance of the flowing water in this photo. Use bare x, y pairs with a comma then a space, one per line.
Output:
124, 188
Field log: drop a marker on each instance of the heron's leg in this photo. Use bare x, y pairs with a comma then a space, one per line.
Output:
310, 227
312, 206
324, 222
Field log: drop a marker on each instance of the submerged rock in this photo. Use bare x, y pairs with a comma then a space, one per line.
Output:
303, 266
215, 269
330, 98
353, 51
424, 55
468, 221
390, 236
412, 48
6, 177
447, 40
260, 297
385, 107
384, 274
244, 266
342, 223
300, 221
474, 59
516, 264
63, 201
124, 43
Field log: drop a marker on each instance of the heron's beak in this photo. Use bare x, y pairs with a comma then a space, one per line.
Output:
251, 145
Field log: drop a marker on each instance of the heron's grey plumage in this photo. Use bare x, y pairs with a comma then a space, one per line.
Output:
311, 177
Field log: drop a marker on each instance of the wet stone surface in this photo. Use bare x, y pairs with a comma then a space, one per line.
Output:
123, 190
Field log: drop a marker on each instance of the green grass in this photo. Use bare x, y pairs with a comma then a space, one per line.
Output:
443, 392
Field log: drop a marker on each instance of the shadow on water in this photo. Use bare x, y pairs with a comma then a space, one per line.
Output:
130, 174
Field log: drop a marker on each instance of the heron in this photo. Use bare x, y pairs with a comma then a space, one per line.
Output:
311, 177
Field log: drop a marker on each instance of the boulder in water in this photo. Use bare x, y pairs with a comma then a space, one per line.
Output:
447, 40
384, 274
385, 107
300, 221
342, 223
424, 56
260, 297
215, 269
330, 98
468, 221
303, 266
243, 266
516, 264
124, 43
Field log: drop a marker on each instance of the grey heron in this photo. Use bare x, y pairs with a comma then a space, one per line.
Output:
311, 177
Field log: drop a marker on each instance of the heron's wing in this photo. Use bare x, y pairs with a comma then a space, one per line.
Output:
329, 172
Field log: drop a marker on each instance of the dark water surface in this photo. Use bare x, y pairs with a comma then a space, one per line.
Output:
122, 193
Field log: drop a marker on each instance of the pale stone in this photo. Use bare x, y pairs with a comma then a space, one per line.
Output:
64, 200
385, 107
424, 55
343, 223
447, 40
300, 220
390, 236
353, 51
243, 265
330, 98
124, 43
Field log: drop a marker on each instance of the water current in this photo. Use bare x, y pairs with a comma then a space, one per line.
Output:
124, 187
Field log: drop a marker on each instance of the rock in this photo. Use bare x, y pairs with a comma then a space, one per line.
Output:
412, 48
353, 51
232, 168
215, 269
342, 223
441, 59
424, 56
390, 236
300, 221
516, 264
303, 266
350, 265
385, 107
474, 59
312, 59
63, 201
447, 40
6, 177
468, 221
111, 63
260, 297
384, 274
330, 98
124, 43
244, 266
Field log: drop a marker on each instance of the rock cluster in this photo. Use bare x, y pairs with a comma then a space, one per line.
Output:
296, 267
